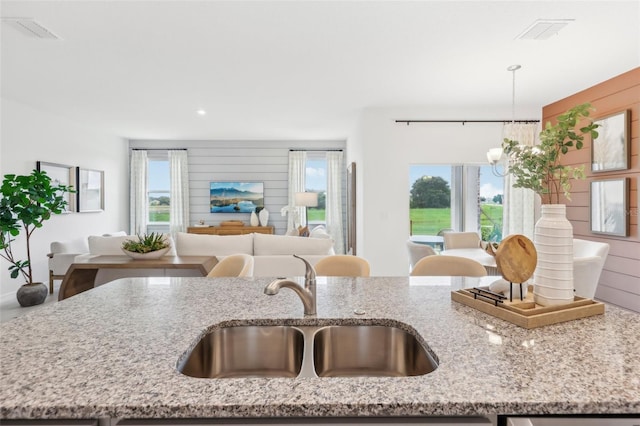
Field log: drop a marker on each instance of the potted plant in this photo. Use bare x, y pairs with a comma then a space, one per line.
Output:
538, 167
147, 246
27, 201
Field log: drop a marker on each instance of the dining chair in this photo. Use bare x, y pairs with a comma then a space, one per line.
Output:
418, 251
235, 265
343, 265
456, 240
448, 265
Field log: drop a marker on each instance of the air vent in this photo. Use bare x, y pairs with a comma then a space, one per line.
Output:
542, 29
30, 27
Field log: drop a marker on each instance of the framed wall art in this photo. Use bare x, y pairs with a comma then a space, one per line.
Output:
235, 197
610, 207
610, 150
90, 190
61, 174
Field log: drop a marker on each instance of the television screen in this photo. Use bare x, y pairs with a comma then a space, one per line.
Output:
235, 197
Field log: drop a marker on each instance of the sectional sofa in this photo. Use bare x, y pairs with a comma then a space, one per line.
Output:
273, 254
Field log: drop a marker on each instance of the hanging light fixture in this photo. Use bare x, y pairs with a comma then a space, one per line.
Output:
495, 155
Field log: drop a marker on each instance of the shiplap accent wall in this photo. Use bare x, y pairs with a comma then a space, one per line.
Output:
620, 279
256, 161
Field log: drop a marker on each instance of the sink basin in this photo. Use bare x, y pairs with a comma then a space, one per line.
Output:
354, 351
247, 351
308, 351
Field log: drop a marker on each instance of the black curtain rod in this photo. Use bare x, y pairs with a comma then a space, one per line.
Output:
319, 150
467, 121
158, 149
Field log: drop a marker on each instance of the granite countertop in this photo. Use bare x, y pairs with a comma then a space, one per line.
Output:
112, 352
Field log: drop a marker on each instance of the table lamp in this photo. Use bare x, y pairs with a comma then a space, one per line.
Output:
306, 199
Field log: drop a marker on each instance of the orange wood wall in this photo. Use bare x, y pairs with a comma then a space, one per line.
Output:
620, 279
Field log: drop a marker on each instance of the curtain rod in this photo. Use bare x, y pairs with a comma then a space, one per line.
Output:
318, 150
158, 149
467, 121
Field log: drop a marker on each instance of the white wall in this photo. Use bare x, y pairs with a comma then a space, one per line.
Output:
384, 150
30, 135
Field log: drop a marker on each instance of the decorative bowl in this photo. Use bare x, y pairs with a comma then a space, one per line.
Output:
149, 255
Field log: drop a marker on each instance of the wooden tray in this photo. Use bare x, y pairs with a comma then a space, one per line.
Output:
525, 313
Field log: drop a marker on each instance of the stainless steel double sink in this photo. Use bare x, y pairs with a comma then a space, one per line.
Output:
307, 351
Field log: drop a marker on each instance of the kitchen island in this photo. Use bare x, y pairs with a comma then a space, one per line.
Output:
112, 352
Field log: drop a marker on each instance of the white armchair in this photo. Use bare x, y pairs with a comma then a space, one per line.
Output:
62, 256
588, 261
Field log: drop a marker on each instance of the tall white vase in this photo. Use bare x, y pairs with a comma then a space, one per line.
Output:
264, 217
553, 239
254, 221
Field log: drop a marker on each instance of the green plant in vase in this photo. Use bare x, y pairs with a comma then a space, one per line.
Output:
538, 167
27, 202
146, 243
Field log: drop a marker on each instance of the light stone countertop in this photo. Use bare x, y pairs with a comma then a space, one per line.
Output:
112, 352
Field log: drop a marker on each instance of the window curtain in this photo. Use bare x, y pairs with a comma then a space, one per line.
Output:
297, 173
333, 212
138, 192
179, 191
519, 203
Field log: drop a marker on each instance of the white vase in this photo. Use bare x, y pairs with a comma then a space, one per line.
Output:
264, 217
553, 239
254, 219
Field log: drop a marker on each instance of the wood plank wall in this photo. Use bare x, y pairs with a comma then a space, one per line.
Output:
620, 279
257, 161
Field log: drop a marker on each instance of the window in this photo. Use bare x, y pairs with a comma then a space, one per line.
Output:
158, 192
316, 181
456, 197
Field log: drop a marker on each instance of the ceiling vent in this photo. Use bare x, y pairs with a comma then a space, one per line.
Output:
30, 27
543, 29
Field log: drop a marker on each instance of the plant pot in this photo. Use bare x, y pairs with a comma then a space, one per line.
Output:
32, 294
149, 255
553, 239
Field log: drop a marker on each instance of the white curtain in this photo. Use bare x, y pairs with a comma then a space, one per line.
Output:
333, 212
179, 191
138, 192
297, 173
519, 203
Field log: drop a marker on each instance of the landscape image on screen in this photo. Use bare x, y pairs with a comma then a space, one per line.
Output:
236, 197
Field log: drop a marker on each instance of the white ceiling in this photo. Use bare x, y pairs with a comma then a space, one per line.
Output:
302, 69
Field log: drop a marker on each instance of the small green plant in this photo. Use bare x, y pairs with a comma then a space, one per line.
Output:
27, 201
146, 243
538, 167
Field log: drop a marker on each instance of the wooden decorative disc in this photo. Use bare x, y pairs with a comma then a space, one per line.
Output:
516, 258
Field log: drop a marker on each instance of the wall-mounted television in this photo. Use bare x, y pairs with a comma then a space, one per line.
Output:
235, 197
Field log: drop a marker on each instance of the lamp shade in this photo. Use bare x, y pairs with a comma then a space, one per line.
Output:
306, 199
494, 155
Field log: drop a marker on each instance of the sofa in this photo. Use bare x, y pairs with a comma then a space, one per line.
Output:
273, 254
63, 253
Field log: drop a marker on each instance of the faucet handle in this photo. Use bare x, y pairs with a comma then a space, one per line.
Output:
310, 273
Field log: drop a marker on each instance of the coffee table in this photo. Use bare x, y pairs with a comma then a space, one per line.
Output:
81, 275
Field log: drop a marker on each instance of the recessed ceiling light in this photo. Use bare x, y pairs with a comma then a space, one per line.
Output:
542, 29
201, 112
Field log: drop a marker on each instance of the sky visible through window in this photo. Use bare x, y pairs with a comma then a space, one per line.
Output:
316, 175
158, 175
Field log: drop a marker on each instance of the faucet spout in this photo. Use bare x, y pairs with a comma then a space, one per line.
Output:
307, 294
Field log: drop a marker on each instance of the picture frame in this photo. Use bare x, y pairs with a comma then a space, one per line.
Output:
61, 174
235, 197
610, 150
90, 190
609, 201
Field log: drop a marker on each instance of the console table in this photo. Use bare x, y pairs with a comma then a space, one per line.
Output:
81, 275
230, 230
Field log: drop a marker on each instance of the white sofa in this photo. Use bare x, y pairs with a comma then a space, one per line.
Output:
273, 254
63, 253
